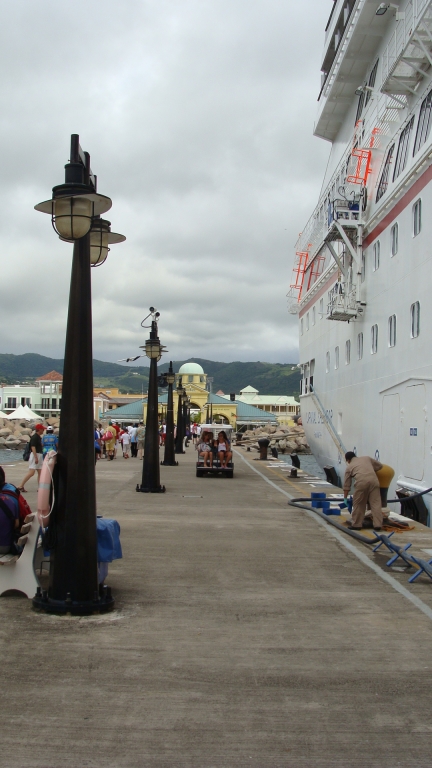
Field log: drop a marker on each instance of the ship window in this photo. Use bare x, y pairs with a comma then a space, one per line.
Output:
307, 321
371, 81
424, 123
394, 234
363, 267
327, 362
415, 320
376, 253
383, 182
336, 357
374, 339
360, 106
402, 153
313, 315
416, 217
359, 346
347, 352
392, 331
301, 327
321, 308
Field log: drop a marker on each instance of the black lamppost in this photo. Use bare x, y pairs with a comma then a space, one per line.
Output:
151, 470
75, 210
186, 404
180, 432
169, 455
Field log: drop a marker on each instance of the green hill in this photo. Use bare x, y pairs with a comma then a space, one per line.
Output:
268, 378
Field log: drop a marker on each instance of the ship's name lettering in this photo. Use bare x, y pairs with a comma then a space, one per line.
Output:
312, 417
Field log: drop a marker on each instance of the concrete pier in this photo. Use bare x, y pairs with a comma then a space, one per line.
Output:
245, 634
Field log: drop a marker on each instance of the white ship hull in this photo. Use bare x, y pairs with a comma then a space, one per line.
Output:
372, 256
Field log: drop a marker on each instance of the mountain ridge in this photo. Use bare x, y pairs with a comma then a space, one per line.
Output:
267, 378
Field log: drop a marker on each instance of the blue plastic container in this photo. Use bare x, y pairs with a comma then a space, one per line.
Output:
332, 511
350, 505
316, 499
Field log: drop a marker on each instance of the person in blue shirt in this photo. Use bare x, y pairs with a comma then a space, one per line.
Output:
49, 441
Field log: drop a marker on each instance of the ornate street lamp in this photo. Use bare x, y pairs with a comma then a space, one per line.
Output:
180, 432
169, 455
75, 210
151, 472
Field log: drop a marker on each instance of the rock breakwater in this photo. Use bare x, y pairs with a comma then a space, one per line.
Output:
15, 433
284, 439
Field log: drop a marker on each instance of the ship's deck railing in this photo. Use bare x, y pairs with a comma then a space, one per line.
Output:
381, 115
342, 304
341, 52
312, 236
405, 29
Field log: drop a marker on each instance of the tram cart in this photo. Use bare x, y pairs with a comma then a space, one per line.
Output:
216, 469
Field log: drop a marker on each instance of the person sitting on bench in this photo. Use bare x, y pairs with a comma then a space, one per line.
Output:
204, 449
223, 448
9, 512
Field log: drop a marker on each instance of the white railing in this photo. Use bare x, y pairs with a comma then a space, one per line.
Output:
414, 12
382, 113
312, 236
341, 52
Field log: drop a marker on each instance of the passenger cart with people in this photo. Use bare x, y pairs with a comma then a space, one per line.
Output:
214, 448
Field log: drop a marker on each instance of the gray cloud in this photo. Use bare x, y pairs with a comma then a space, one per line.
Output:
198, 116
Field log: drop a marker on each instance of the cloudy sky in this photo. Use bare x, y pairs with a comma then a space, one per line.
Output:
198, 116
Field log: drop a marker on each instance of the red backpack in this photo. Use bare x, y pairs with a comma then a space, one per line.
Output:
23, 507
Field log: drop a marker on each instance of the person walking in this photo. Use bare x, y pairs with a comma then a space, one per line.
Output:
362, 471
49, 441
134, 443
109, 438
140, 440
36, 456
125, 441
163, 433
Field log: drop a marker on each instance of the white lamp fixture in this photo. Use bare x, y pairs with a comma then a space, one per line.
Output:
154, 349
383, 8
100, 239
363, 89
72, 214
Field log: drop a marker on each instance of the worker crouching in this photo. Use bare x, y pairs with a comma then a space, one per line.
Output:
361, 470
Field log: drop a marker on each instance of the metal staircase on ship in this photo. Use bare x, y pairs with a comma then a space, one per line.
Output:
339, 233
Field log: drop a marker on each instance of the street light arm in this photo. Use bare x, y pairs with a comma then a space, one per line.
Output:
129, 359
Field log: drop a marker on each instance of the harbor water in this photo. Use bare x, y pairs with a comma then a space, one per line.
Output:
307, 463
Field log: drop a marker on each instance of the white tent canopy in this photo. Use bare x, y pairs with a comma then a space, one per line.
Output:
22, 412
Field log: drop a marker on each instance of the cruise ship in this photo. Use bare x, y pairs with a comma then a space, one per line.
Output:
362, 282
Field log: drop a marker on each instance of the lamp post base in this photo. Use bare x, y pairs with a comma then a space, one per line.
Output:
169, 463
143, 489
103, 603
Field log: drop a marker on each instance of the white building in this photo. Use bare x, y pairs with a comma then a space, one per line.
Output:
44, 396
284, 407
